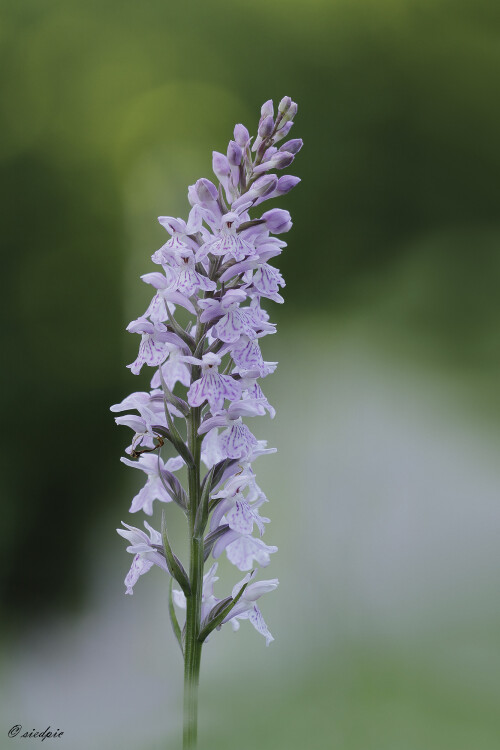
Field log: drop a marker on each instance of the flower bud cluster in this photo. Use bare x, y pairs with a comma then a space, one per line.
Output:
214, 270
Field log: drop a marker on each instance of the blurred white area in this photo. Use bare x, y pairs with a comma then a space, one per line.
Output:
384, 500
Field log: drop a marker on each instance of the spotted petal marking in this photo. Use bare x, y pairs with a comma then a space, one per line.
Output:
237, 441
213, 388
247, 354
267, 280
151, 353
234, 324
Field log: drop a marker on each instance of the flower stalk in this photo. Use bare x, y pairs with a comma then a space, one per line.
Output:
192, 652
215, 269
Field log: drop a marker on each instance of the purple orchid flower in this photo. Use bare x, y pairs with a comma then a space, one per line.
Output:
173, 370
243, 549
246, 609
236, 509
145, 551
228, 242
153, 347
154, 489
212, 386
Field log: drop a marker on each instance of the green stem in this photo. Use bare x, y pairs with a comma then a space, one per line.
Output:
192, 649
193, 646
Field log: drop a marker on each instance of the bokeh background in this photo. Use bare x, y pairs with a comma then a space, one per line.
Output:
385, 491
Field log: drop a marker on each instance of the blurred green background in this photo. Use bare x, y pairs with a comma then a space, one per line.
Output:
385, 491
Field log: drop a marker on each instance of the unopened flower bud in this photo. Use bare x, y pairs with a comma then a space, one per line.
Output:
284, 104
290, 113
234, 154
266, 127
265, 184
269, 152
241, 135
293, 147
205, 191
277, 220
287, 183
282, 159
267, 109
220, 165
283, 130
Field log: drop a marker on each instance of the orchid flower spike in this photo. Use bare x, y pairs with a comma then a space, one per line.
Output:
200, 335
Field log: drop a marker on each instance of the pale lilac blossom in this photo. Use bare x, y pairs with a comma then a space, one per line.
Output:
188, 280
212, 386
146, 551
153, 347
243, 549
154, 489
247, 609
247, 355
174, 370
237, 321
237, 510
228, 242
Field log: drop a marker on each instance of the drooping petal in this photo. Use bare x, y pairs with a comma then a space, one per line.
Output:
152, 490
255, 617
174, 464
157, 310
151, 352
133, 401
174, 370
267, 280
138, 568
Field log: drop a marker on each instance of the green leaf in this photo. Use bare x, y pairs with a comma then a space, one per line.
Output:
221, 467
211, 538
200, 349
174, 565
173, 487
202, 513
248, 224
222, 200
